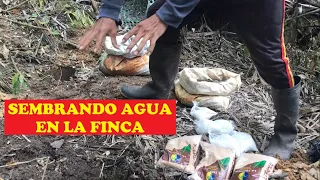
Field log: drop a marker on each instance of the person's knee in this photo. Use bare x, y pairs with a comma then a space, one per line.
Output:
278, 77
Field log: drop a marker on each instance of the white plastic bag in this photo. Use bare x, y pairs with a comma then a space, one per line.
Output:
123, 47
205, 126
239, 142
201, 126
225, 141
201, 112
246, 141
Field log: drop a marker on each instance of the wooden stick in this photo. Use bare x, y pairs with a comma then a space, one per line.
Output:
18, 5
23, 24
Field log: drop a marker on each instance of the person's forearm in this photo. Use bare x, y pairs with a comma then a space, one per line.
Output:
111, 9
173, 12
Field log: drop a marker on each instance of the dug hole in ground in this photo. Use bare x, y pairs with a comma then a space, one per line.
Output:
50, 66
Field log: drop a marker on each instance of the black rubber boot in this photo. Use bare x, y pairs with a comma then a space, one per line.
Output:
286, 104
163, 65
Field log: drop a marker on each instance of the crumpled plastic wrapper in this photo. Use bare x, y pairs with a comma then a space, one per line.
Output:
111, 50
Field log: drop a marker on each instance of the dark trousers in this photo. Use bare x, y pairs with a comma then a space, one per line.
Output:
259, 24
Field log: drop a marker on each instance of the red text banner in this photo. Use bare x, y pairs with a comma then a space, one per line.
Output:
96, 117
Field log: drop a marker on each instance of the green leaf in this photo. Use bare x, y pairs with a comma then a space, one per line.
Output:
41, 4
187, 148
34, 15
45, 20
21, 78
24, 85
224, 163
18, 83
15, 78
84, 21
259, 164
103, 56
246, 51
78, 14
55, 32
91, 23
15, 83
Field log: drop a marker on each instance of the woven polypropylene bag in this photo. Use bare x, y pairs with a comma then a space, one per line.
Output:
209, 81
219, 103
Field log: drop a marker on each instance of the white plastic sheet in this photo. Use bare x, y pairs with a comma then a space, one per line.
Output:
239, 142
246, 141
201, 112
204, 126
110, 49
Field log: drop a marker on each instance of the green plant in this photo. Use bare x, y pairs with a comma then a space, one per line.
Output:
79, 19
18, 83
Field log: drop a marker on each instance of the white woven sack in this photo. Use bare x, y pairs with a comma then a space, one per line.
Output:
209, 81
219, 103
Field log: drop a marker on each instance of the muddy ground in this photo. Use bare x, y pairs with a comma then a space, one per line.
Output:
114, 157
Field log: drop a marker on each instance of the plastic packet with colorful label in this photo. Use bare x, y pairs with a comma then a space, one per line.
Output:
253, 167
217, 163
181, 153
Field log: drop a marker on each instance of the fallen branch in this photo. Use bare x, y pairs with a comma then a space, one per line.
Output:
45, 169
23, 162
18, 5
23, 24
303, 14
311, 3
38, 46
14, 65
101, 170
27, 139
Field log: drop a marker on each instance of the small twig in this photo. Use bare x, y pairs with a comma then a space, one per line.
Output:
115, 163
18, 5
45, 168
187, 116
304, 14
23, 24
101, 171
124, 150
308, 138
23, 162
95, 6
25, 137
60, 24
311, 3
36, 52
14, 64
71, 43
236, 120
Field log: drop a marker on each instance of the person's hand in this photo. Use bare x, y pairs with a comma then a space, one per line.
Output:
148, 29
103, 27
